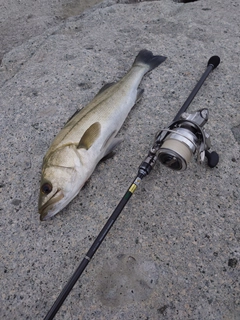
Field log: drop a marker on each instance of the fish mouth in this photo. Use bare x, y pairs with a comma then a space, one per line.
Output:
44, 210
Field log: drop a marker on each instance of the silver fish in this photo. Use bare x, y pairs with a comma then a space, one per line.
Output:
88, 137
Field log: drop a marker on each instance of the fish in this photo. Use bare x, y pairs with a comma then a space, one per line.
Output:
89, 136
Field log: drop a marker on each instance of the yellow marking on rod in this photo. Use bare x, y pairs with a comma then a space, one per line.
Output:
132, 188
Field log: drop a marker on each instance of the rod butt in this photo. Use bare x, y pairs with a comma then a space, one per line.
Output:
214, 61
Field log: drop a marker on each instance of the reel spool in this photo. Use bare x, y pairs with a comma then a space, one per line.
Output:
184, 138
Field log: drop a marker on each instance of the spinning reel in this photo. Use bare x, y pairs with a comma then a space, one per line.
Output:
184, 138
175, 145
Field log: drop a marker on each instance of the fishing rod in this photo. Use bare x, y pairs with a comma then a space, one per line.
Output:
174, 146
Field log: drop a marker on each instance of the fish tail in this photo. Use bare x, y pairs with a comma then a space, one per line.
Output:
146, 57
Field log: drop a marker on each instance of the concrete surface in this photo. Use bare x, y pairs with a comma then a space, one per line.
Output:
174, 252
21, 20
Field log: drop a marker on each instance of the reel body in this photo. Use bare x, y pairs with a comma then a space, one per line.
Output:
184, 138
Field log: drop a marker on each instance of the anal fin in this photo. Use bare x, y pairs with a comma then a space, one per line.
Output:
139, 94
109, 153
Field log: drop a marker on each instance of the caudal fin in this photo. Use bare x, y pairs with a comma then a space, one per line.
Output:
146, 57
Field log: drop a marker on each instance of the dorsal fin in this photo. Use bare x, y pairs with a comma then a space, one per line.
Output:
89, 136
76, 112
105, 87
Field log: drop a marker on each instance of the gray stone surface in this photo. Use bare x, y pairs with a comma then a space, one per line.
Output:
21, 20
177, 241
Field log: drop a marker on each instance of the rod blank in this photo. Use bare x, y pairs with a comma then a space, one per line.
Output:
213, 62
108, 225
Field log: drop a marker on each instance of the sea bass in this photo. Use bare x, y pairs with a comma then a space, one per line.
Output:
88, 137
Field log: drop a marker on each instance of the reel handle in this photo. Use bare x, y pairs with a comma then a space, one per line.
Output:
212, 157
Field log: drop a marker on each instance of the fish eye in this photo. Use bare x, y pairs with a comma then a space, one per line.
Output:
46, 188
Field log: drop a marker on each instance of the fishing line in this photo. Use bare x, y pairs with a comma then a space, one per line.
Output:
174, 146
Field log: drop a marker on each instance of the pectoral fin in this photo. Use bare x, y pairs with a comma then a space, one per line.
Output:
90, 136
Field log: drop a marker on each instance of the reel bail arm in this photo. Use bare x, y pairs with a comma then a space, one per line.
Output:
182, 139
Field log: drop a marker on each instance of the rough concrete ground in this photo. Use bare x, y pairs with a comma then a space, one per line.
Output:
174, 251
22, 20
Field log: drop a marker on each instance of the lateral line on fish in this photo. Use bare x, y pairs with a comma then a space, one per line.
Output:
81, 119
96, 105
56, 166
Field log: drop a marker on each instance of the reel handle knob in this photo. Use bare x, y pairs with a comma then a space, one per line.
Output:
213, 158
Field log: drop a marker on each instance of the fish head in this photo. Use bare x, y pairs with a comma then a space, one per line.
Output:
60, 182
